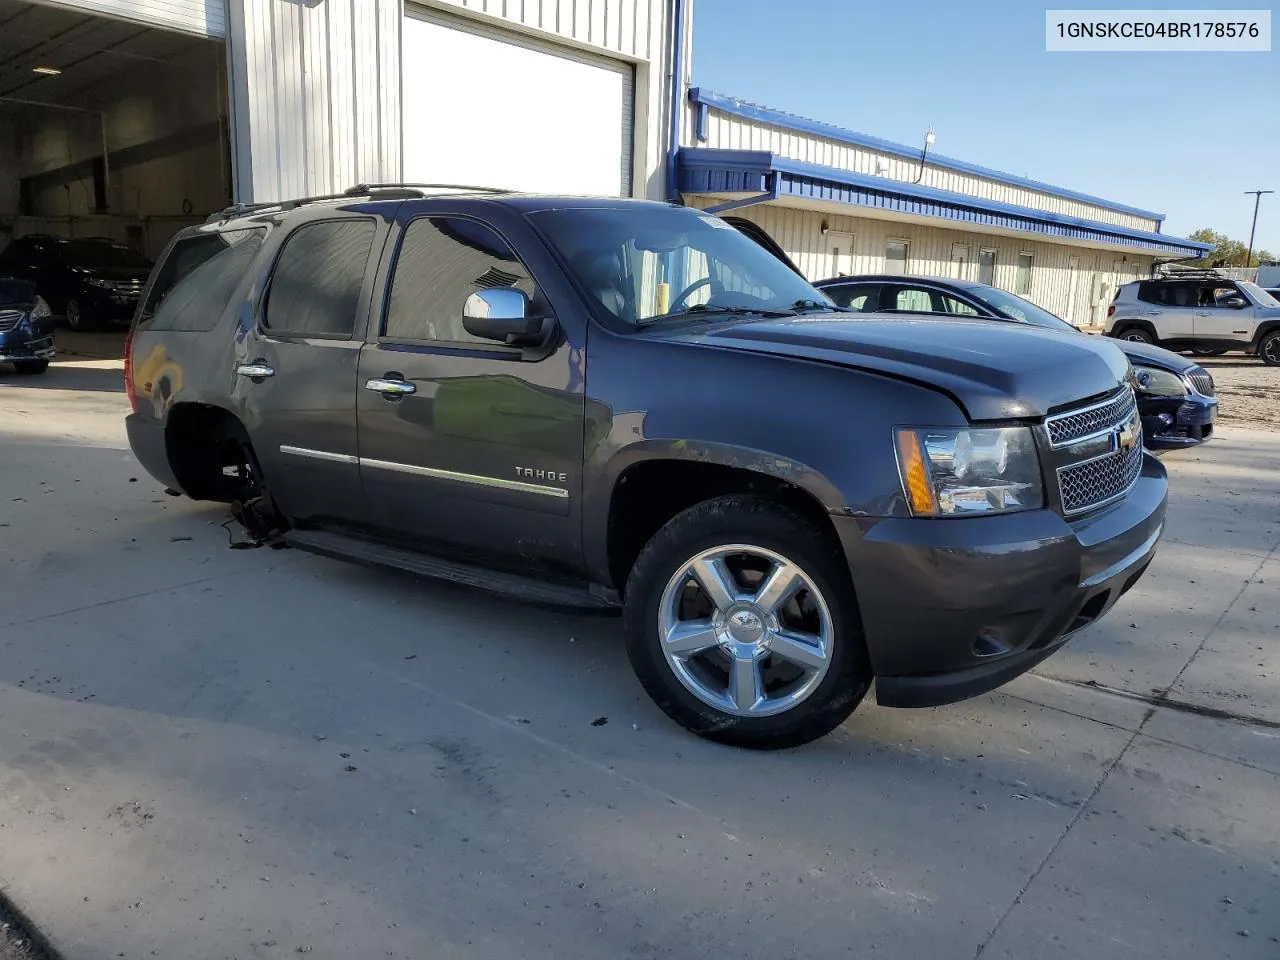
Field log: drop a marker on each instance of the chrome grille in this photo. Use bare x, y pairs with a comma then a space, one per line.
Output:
1065, 428
1201, 380
9, 319
1095, 482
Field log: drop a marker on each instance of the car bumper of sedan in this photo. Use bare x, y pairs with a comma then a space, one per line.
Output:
1178, 423
952, 608
26, 347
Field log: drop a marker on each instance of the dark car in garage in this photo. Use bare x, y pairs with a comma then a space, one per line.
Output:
1175, 395
91, 282
26, 328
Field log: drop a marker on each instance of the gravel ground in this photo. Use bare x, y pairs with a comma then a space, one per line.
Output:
1249, 391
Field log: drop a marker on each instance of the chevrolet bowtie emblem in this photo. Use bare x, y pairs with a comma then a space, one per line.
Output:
1126, 436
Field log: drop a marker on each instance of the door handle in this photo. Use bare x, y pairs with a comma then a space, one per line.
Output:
257, 370
389, 388
1202, 313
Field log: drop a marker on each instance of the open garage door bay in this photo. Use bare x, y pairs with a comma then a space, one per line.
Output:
499, 109
111, 132
204, 18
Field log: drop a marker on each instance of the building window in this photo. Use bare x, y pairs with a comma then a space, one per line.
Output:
987, 267
1025, 262
895, 257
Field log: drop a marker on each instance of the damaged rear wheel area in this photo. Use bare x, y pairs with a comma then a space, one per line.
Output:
212, 458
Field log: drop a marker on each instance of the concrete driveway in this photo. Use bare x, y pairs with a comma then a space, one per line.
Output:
214, 753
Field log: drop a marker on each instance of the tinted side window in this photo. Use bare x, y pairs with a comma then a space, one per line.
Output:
859, 297
315, 289
195, 282
907, 299
952, 305
442, 261
1152, 293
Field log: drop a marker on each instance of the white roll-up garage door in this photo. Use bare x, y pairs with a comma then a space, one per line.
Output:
204, 18
490, 108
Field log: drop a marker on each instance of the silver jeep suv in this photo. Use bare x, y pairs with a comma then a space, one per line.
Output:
1204, 313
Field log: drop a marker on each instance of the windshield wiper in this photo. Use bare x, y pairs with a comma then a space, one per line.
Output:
809, 306
701, 310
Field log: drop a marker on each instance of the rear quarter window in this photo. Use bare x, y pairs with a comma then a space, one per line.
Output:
194, 284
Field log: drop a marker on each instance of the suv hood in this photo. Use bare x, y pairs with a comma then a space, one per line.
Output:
995, 371
114, 273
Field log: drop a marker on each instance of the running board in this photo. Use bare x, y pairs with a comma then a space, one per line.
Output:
513, 585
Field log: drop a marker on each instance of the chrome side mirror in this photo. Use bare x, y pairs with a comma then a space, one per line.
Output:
502, 314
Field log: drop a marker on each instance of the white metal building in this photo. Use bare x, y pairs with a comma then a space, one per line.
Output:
840, 202
132, 118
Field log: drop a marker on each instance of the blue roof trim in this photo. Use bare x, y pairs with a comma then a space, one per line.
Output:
777, 118
715, 171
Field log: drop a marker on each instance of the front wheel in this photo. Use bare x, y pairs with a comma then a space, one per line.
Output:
1269, 349
742, 625
30, 367
74, 314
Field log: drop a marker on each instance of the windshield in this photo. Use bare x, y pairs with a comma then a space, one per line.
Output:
1016, 308
95, 253
1261, 296
647, 264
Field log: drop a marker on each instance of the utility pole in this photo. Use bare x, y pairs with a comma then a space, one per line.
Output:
1257, 198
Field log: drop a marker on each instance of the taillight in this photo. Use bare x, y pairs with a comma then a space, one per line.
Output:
1111, 310
129, 390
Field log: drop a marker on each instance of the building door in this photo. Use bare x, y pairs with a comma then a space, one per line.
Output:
840, 254
960, 261
492, 108
1073, 283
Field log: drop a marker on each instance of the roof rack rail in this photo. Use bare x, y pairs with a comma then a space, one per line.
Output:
386, 191
1169, 272
362, 189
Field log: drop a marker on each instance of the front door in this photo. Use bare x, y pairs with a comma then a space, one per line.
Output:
296, 369
1223, 315
1073, 282
960, 261
465, 441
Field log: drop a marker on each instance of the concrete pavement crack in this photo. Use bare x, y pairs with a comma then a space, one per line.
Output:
1080, 812
1156, 700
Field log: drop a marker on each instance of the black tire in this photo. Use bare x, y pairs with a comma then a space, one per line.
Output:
75, 316
1136, 334
30, 367
1269, 348
742, 519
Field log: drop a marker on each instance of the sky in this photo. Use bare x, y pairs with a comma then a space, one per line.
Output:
1184, 134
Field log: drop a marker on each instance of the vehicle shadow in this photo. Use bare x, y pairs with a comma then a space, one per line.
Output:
94, 345
98, 377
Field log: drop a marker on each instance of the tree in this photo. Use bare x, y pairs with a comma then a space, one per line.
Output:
1227, 252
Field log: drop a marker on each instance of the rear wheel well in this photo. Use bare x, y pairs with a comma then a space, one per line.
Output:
649, 494
201, 442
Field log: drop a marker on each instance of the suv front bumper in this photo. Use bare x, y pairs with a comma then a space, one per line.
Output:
952, 608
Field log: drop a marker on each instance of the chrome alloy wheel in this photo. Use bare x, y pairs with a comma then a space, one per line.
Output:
745, 630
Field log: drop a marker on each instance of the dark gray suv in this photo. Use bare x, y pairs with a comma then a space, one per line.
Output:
614, 403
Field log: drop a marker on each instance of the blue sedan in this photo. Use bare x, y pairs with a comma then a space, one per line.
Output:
1175, 395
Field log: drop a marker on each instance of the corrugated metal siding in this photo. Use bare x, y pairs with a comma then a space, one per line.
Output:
799, 234
205, 18
623, 26
316, 95
739, 133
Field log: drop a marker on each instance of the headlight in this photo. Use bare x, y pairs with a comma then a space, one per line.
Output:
40, 310
99, 282
1159, 383
948, 472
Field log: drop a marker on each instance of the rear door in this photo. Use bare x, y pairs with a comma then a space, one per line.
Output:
1223, 315
296, 368
466, 442
1168, 307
